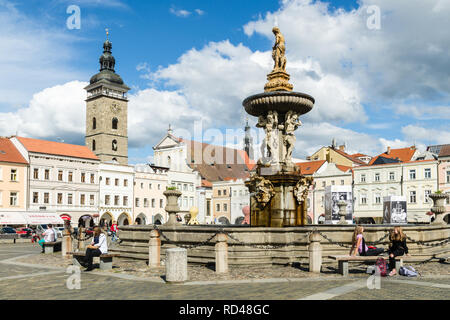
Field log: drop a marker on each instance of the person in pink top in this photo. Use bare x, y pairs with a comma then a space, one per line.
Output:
358, 243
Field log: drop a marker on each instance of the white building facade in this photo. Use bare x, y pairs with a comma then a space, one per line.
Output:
150, 182
116, 194
414, 179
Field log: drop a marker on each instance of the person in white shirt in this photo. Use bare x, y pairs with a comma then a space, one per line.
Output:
97, 247
49, 236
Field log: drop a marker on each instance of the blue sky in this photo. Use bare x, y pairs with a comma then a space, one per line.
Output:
191, 60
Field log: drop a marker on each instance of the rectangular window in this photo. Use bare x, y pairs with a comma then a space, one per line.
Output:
342, 182
107, 181
150, 186
412, 196
332, 182
427, 173
69, 198
225, 192
412, 174
146, 202
161, 203
70, 177
125, 183
159, 187
363, 178
82, 199
116, 200
185, 202
225, 207
363, 199
116, 182
391, 176
378, 199
179, 186
92, 178
60, 198
46, 197
91, 200
60, 175
322, 202
377, 177
153, 203
191, 202
107, 199
13, 199
35, 197
208, 208
136, 202
219, 192
36, 174
83, 177
47, 174
125, 201
191, 187
324, 184
184, 187
142, 185
448, 176
13, 174
218, 207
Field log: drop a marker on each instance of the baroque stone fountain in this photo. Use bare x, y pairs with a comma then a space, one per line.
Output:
279, 190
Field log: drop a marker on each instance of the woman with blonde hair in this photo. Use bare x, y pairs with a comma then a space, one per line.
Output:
358, 243
397, 248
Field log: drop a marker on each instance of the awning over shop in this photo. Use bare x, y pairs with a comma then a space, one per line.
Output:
29, 218
12, 218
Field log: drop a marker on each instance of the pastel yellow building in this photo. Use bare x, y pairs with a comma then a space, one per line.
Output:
13, 178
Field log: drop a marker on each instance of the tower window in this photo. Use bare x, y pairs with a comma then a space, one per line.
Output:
93, 144
94, 123
114, 145
115, 123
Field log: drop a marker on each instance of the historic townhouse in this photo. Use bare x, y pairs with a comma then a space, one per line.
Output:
443, 152
63, 178
149, 201
415, 180
13, 182
116, 193
229, 198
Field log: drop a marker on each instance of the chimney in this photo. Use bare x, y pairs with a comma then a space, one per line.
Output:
388, 150
342, 147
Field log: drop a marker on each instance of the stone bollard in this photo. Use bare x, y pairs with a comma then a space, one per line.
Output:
176, 265
315, 252
342, 211
221, 253
154, 249
66, 244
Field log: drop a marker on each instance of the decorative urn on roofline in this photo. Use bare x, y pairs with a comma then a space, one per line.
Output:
279, 190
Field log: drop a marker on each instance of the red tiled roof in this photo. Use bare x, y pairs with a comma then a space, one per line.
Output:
403, 154
57, 148
9, 153
445, 151
343, 168
310, 167
357, 155
206, 183
346, 155
220, 162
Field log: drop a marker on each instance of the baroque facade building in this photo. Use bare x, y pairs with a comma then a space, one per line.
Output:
63, 178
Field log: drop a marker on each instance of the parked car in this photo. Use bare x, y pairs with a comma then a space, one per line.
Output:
24, 232
7, 230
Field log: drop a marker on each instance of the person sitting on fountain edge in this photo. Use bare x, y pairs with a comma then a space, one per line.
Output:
358, 243
97, 247
397, 248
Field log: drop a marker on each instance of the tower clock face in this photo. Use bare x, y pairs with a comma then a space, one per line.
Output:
115, 108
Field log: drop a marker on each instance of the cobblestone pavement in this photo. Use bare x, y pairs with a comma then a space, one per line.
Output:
19, 279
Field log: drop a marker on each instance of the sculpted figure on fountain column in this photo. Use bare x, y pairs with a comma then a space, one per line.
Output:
269, 124
278, 51
301, 189
292, 122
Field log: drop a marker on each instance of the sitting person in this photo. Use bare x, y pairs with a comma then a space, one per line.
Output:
358, 243
49, 236
97, 247
397, 248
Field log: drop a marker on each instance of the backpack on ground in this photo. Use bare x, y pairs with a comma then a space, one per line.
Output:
381, 265
408, 272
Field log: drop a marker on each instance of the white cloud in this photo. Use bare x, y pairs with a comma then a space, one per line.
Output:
424, 112
180, 12
199, 12
407, 58
427, 135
